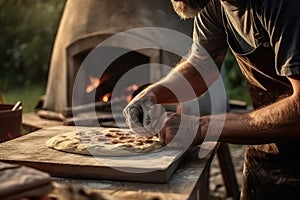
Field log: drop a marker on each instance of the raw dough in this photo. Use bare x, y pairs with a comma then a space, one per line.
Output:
104, 142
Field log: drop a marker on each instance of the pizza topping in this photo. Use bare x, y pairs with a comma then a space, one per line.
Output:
111, 135
139, 143
115, 141
104, 142
149, 141
123, 138
130, 140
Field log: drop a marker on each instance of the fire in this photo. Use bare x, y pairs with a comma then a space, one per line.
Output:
106, 97
94, 83
126, 95
131, 89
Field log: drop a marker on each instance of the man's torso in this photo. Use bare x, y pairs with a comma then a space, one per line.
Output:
256, 33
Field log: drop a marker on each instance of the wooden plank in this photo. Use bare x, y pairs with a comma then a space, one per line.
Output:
189, 182
30, 150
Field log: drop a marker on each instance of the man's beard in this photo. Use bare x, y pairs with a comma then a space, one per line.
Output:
188, 8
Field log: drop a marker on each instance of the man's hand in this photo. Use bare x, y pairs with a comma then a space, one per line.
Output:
142, 114
179, 130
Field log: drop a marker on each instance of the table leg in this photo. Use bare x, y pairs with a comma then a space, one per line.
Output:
228, 172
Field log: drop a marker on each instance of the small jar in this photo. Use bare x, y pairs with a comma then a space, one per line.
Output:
10, 122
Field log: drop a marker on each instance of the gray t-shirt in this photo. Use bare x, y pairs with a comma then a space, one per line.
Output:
271, 171
280, 19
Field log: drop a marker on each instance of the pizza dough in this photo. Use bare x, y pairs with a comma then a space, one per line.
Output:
104, 142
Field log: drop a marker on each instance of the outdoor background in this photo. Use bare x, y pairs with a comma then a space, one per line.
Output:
28, 30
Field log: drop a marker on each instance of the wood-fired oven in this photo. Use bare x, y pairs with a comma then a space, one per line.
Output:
84, 25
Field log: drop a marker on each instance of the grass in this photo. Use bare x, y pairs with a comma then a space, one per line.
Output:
28, 95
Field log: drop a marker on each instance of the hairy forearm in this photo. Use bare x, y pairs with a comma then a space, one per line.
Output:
190, 78
277, 122
183, 83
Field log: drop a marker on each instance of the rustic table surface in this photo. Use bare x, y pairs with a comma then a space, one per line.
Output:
189, 181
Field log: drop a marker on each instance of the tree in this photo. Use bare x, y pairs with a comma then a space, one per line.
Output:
28, 29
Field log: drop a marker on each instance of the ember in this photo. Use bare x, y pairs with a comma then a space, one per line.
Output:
106, 97
130, 90
94, 83
125, 95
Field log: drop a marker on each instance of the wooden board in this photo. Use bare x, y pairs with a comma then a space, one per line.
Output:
189, 181
30, 150
32, 122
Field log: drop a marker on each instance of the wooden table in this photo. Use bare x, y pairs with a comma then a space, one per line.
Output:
193, 167
190, 181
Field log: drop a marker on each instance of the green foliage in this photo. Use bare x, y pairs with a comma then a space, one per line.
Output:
28, 95
28, 29
234, 81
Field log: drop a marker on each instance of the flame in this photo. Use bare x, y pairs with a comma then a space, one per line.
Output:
106, 97
94, 83
125, 95
132, 88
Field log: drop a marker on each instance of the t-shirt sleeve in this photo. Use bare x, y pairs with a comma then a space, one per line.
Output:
282, 21
209, 30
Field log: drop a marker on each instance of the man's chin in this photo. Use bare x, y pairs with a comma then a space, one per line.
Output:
183, 10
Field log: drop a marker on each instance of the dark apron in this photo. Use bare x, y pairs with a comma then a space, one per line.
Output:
271, 171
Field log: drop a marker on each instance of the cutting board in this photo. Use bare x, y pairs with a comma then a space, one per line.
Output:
30, 150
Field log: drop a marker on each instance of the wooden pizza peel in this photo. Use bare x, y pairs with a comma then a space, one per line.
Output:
30, 150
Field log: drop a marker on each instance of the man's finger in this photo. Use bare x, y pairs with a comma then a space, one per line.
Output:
152, 118
161, 136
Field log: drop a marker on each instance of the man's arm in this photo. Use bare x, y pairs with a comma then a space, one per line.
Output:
276, 122
188, 80
198, 73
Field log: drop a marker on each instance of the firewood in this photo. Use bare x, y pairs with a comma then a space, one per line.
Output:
70, 111
97, 106
46, 114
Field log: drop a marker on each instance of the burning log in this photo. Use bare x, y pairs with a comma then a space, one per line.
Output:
68, 111
51, 115
85, 119
95, 106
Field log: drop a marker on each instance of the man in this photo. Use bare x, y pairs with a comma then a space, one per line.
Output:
264, 36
